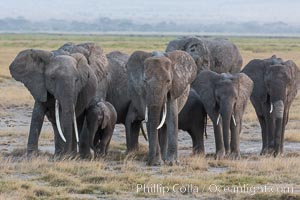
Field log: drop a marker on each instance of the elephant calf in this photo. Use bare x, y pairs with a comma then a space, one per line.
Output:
101, 120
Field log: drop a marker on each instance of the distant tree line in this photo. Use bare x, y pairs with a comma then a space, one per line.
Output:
105, 24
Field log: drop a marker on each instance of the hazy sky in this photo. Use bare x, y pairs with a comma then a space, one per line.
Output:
156, 10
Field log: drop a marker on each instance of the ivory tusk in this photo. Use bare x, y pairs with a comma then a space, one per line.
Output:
218, 119
75, 125
163, 117
233, 119
143, 132
146, 114
271, 110
58, 121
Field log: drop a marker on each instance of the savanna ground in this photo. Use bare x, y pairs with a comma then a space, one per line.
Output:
117, 176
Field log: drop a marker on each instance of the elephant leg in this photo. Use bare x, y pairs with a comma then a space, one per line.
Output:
198, 140
278, 135
163, 141
36, 124
84, 137
106, 135
220, 151
172, 131
130, 118
264, 134
134, 135
285, 121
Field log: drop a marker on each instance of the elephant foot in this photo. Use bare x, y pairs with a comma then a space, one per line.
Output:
132, 150
234, 156
198, 151
267, 151
86, 156
172, 162
277, 152
100, 154
154, 162
32, 153
220, 155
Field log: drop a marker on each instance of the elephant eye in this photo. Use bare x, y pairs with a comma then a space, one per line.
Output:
52, 77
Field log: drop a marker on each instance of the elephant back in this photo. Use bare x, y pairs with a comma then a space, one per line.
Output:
96, 59
93, 53
225, 56
219, 55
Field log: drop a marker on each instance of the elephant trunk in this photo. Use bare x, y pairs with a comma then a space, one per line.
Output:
152, 124
278, 114
67, 117
226, 113
57, 120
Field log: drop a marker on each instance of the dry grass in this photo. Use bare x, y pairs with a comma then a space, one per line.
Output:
43, 178
15, 95
117, 176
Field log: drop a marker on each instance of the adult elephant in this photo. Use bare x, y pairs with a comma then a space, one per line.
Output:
219, 55
224, 97
63, 86
159, 83
118, 96
275, 87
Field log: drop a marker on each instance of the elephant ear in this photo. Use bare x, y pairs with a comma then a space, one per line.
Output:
199, 51
204, 85
94, 55
135, 70
96, 59
245, 87
294, 72
177, 44
83, 69
29, 68
105, 114
184, 71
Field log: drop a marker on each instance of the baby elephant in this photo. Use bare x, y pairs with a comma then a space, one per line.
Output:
101, 120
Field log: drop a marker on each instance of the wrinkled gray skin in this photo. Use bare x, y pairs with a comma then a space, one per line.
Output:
275, 83
101, 119
117, 95
227, 95
219, 55
71, 79
153, 80
192, 118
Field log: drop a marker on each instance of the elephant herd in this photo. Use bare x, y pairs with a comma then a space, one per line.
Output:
84, 93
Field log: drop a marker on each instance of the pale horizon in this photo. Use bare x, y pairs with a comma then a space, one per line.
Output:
145, 11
